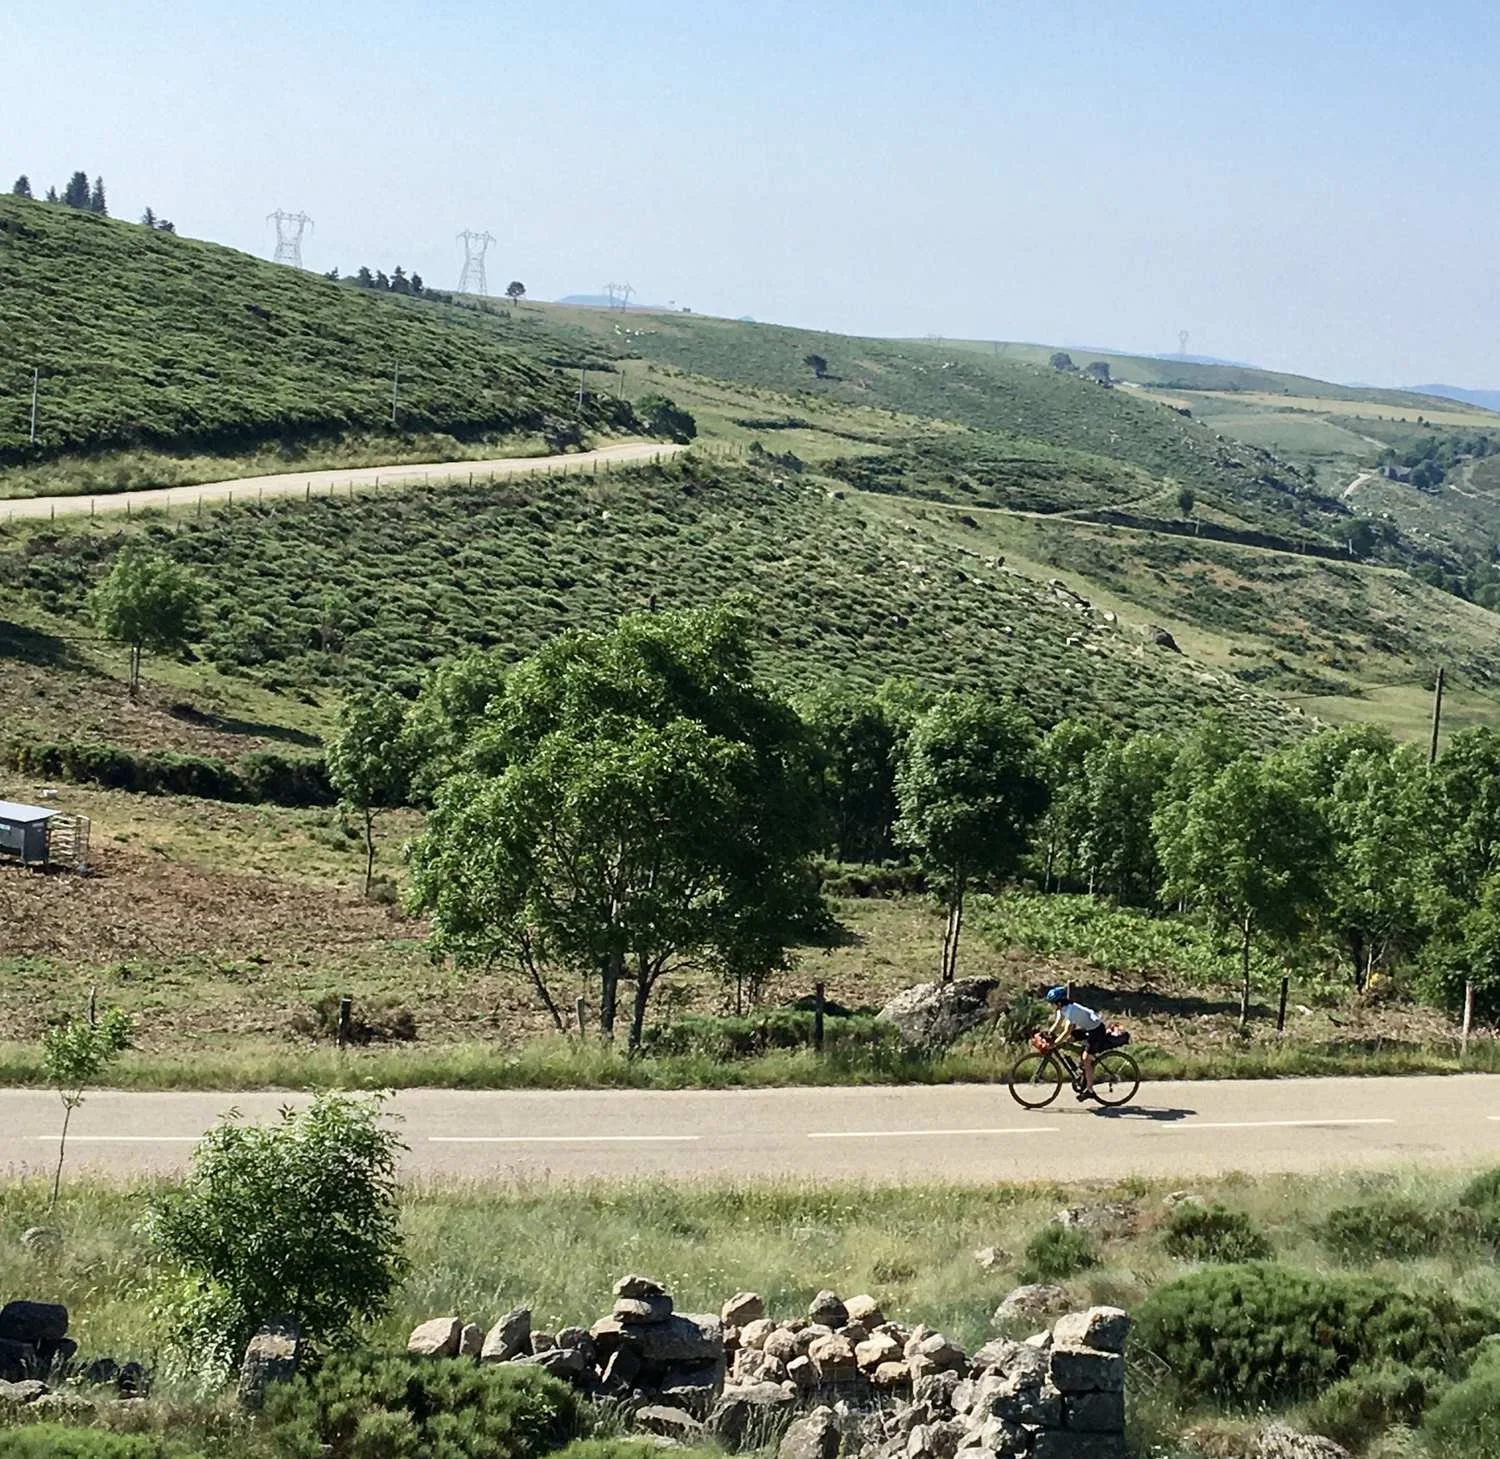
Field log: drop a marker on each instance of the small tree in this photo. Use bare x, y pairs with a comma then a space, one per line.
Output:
52, 195
148, 219
1061, 360
1098, 370
1250, 848
664, 417
367, 762
296, 1219
96, 199
364, 278
416, 284
968, 790
74, 1055
22, 188
76, 194
399, 284
1186, 501
515, 291
381, 282
148, 602
817, 364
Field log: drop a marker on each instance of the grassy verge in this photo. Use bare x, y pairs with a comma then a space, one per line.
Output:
559, 1064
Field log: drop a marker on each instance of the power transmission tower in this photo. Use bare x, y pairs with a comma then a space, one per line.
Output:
289, 230
1182, 339
619, 295
472, 280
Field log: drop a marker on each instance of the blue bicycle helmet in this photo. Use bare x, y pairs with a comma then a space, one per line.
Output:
1057, 995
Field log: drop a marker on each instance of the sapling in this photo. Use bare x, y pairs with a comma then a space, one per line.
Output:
74, 1055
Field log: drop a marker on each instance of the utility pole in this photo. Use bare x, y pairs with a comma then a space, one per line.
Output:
583, 376
395, 390
1437, 715
34, 375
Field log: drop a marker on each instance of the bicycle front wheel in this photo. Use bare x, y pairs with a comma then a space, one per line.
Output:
1116, 1078
1035, 1080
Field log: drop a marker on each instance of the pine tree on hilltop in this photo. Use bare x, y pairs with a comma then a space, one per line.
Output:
364, 278
416, 284
76, 194
22, 189
381, 282
148, 219
51, 194
398, 281
96, 199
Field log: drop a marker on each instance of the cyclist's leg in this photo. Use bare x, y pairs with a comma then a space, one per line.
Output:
1088, 1069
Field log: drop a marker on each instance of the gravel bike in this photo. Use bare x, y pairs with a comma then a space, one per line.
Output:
1041, 1072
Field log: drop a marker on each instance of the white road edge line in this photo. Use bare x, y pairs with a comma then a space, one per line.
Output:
559, 1139
1191, 1125
910, 1134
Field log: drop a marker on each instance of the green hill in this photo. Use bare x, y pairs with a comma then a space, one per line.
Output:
148, 339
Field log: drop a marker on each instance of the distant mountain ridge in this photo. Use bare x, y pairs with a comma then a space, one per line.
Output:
1484, 399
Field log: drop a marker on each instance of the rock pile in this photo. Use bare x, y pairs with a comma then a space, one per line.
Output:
862, 1385
36, 1352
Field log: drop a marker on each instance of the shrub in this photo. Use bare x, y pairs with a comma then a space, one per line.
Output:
1465, 1421
1389, 1228
377, 1020
1482, 1193
1213, 1233
759, 1033
1056, 1252
1362, 1406
1259, 1333
364, 1405
295, 1218
52, 1441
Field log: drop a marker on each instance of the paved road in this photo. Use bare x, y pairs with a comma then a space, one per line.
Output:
965, 1133
323, 483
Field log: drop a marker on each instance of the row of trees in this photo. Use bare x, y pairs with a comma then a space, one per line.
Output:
623, 805
88, 198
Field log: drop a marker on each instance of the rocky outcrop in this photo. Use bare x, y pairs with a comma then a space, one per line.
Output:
932, 1015
34, 1340
273, 1355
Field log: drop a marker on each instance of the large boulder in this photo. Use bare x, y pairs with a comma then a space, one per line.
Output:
273, 1355
33, 1322
817, 1436
1030, 1302
750, 1415
932, 1015
639, 1287
1277, 1441
684, 1339
508, 1338
642, 1309
438, 1338
827, 1310
669, 1422
742, 1309
1102, 1328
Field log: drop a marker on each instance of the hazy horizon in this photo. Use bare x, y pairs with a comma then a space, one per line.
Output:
1293, 186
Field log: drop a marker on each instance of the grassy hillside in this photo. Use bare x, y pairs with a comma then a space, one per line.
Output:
147, 339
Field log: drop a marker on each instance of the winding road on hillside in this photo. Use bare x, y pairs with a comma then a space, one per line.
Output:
327, 483
958, 1133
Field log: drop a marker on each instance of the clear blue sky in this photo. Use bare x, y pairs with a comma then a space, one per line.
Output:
1303, 185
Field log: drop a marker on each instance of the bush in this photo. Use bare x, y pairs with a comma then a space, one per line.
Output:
1056, 1252
755, 1034
296, 1218
1389, 1228
52, 1441
1482, 1193
1369, 1401
377, 1020
1465, 1421
365, 1405
1213, 1233
1258, 1333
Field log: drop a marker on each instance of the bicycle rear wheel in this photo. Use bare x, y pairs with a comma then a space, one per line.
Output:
1116, 1078
1035, 1080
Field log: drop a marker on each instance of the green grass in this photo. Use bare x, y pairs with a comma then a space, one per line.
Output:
161, 347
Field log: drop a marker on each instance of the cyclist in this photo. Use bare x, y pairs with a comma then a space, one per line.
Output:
1075, 1022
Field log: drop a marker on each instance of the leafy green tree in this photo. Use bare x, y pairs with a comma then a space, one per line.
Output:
664, 417
817, 364
1061, 360
1098, 370
1064, 825
148, 602
293, 1219
1124, 780
22, 187
860, 737
968, 790
1186, 501
515, 291
74, 1055
447, 712
1250, 849
368, 762
96, 199
634, 803
76, 194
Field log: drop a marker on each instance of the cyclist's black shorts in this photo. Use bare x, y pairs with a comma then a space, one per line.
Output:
1097, 1040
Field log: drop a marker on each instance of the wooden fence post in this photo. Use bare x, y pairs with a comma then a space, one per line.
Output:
578, 1010
346, 1005
1281, 1007
818, 1018
1463, 1041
